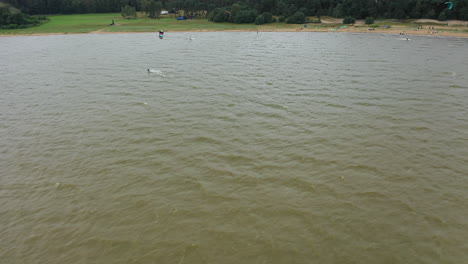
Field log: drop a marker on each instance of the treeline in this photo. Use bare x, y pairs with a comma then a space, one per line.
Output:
12, 18
359, 9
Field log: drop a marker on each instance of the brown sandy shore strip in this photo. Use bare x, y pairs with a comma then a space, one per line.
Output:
346, 30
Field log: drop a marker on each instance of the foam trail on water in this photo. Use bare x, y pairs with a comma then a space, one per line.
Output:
156, 72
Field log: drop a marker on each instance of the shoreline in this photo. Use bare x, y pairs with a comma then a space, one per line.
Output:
99, 24
440, 30
438, 33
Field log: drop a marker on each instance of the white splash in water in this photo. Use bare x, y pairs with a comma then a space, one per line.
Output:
156, 72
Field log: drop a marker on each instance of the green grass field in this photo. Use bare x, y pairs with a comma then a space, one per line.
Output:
85, 23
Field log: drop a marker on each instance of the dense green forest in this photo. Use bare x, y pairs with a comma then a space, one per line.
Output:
12, 18
359, 9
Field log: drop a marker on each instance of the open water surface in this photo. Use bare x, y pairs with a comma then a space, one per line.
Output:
236, 148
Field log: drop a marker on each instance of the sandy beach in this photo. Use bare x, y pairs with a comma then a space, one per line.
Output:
430, 27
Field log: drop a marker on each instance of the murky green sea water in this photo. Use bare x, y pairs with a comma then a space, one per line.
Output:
235, 148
